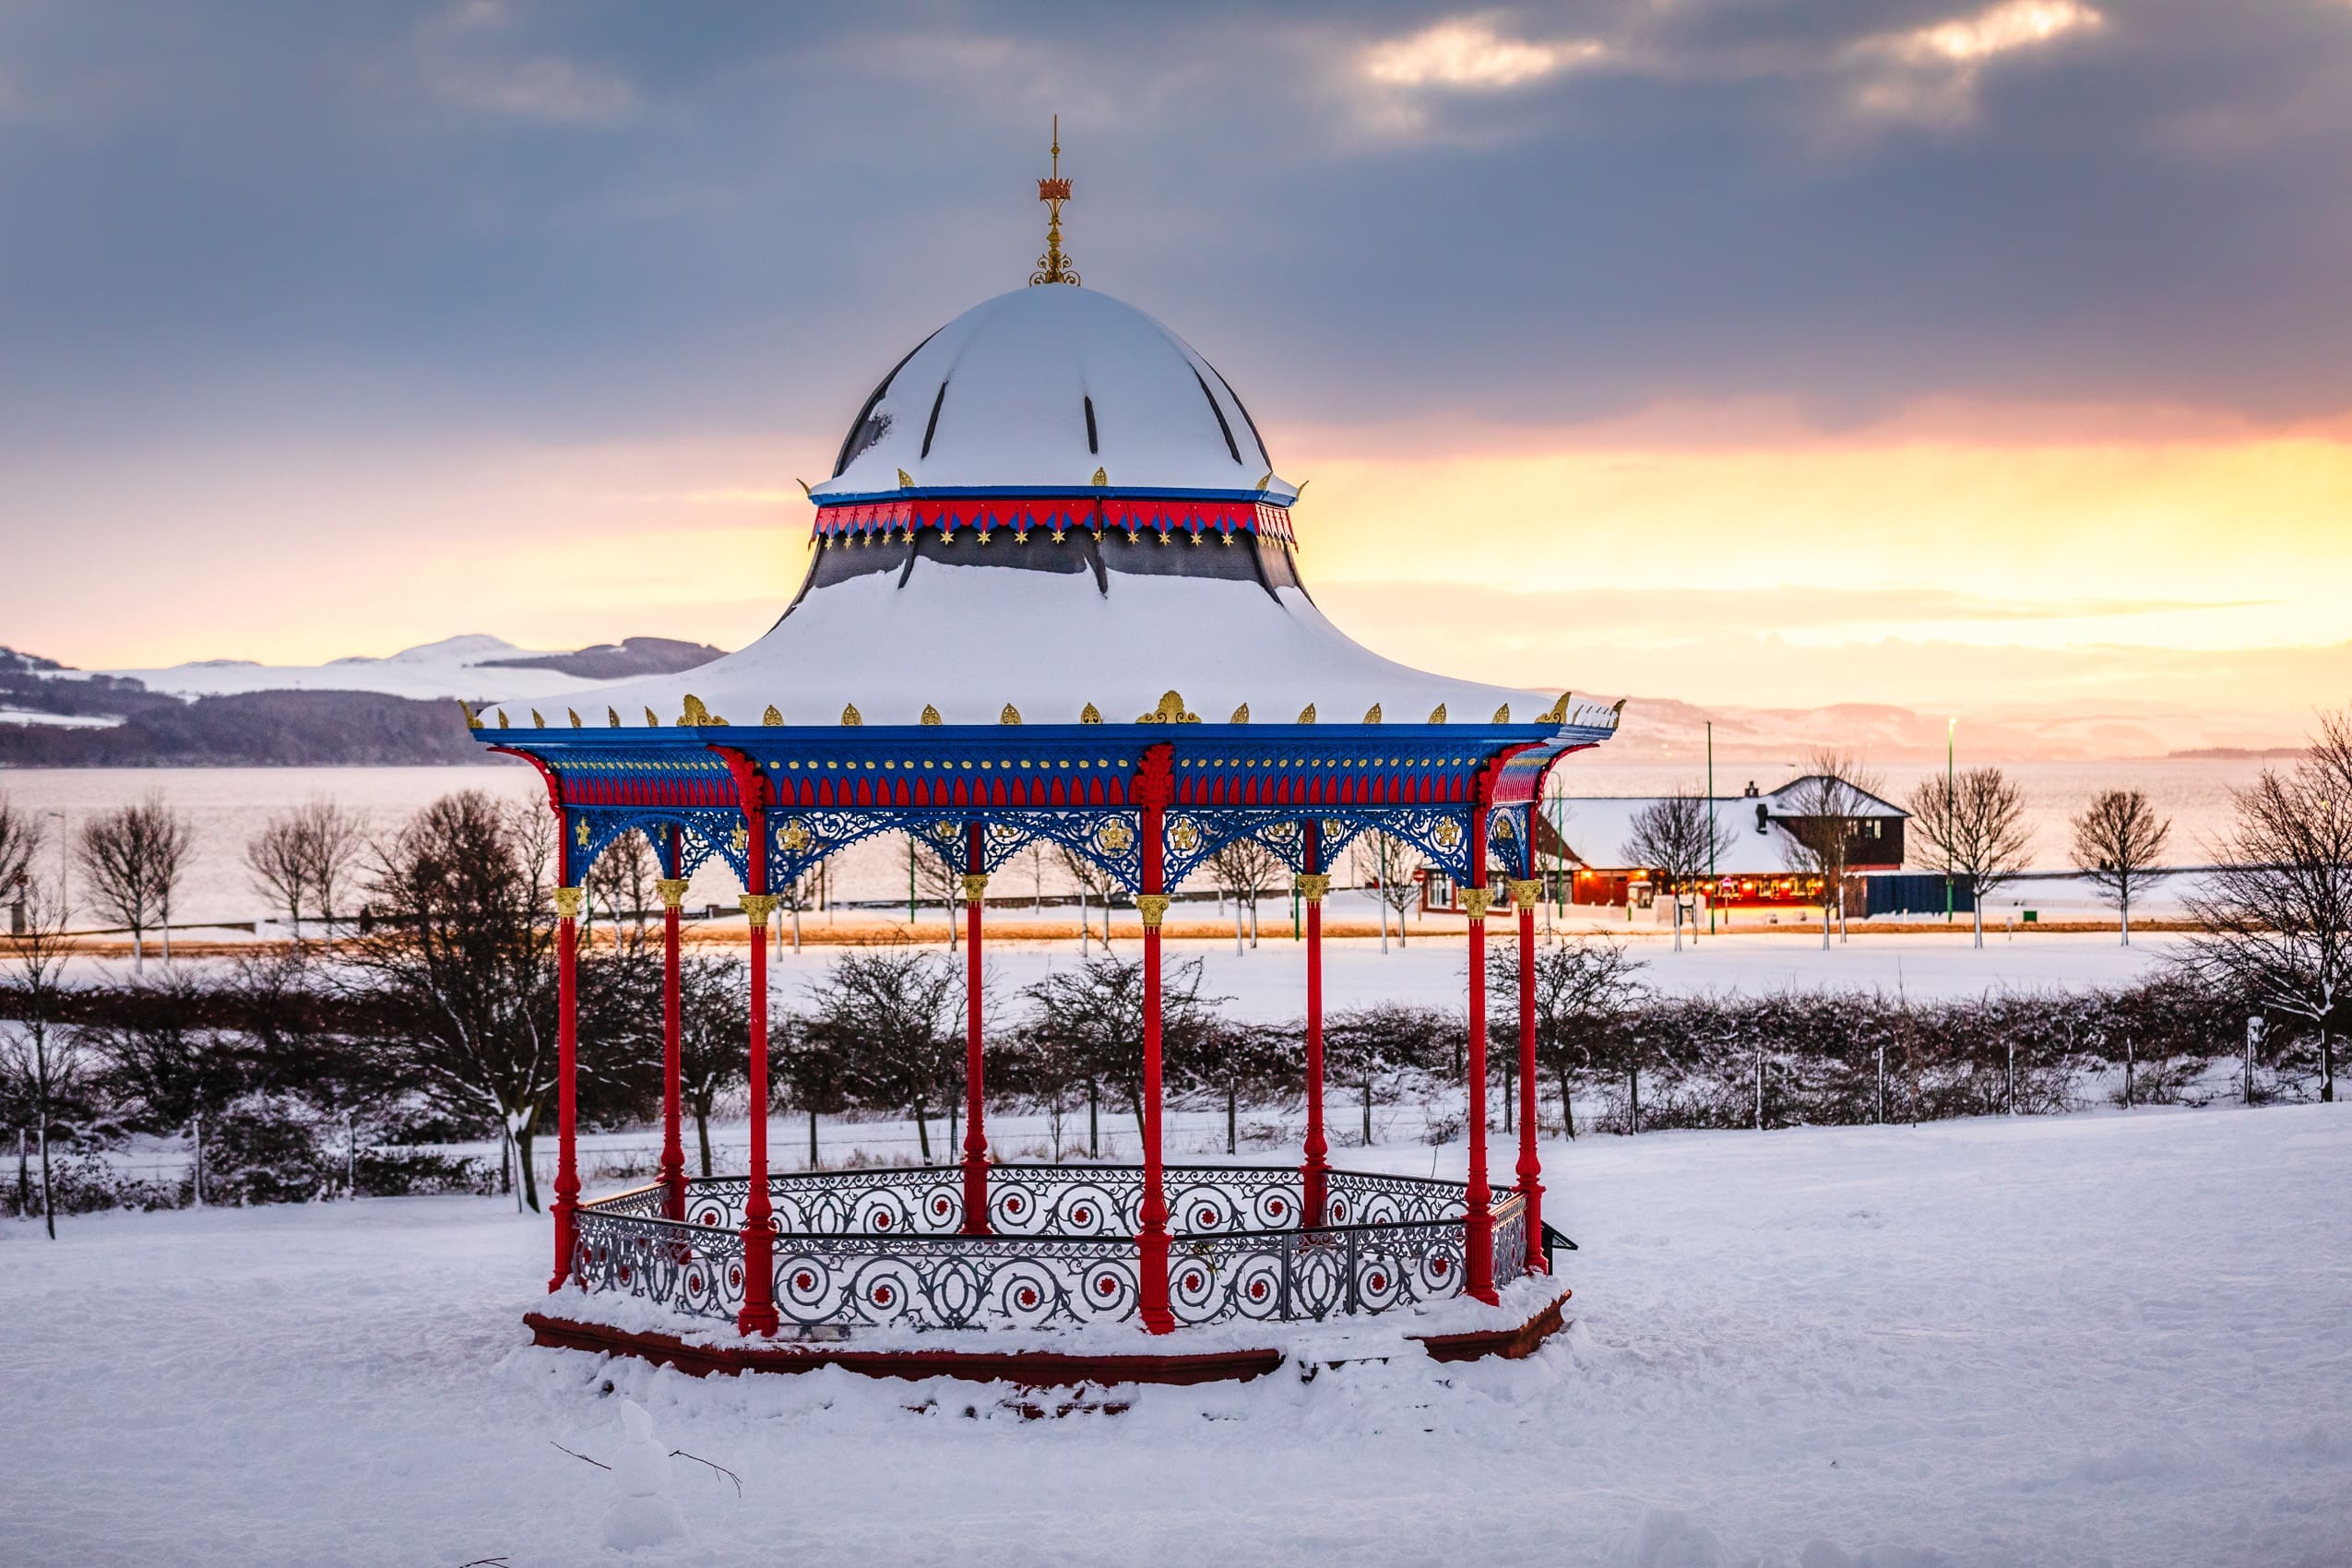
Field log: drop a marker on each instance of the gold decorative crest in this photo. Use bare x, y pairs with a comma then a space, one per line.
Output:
652, 719
1171, 710
1240, 715
502, 719
537, 722
1090, 715
612, 718
696, 716
1503, 713
772, 718
1558, 713
575, 716
1437, 714
850, 717
1101, 476
472, 721
1307, 714
1009, 715
906, 480
1372, 714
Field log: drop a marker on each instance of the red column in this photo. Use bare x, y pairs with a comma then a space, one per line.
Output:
674, 1151
974, 1133
1523, 895
1152, 904
1313, 884
758, 1314
567, 1047
1479, 1228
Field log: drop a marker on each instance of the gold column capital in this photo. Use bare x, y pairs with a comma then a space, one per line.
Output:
672, 890
1153, 906
1313, 885
1526, 892
567, 903
758, 906
1475, 902
975, 885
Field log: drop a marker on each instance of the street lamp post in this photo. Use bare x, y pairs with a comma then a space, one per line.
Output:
1951, 727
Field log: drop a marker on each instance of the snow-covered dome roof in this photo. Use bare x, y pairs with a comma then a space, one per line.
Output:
1054, 504
1038, 389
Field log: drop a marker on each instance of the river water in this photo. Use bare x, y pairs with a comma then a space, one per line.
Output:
228, 805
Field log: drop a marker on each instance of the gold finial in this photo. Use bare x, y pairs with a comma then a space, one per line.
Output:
1372, 714
1009, 715
850, 717
772, 719
1171, 710
930, 714
1090, 715
1101, 477
696, 716
611, 716
575, 716
1307, 714
1557, 712
1265, 479
502, 719
472, 721
537, 722
906, 481
1053, 267
804, 487
1240, 715
652, 719
1503, 713
1617, 713
1437, 714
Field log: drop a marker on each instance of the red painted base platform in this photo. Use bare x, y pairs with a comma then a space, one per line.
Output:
1030, 1368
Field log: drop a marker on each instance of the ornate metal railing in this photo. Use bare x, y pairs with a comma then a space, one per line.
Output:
870, 1248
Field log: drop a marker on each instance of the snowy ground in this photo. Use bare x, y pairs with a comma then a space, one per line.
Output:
2102, 1339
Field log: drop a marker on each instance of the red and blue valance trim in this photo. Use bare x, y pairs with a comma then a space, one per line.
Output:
1020, 518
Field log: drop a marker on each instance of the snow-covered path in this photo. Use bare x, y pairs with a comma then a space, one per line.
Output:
2095, 1339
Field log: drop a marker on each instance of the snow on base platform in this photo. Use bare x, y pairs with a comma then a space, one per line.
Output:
2100, 1339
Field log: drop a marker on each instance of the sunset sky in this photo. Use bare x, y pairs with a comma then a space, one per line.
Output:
1991, 357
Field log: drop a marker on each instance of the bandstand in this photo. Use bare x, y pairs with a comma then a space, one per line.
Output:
1052, 595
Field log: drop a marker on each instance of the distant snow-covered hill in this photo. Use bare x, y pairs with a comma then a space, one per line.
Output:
472, 666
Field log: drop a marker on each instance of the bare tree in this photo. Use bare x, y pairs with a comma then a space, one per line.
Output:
2118, 839
302, 860
20, 843
1240, 869
1093, 882
1584, 992
621, 884
134, 856
1679, 838
714, 1038
460, 969
932, 878
2277, 912
895, 1017
1386, 862
1826, 806
41, 1064
1976, 823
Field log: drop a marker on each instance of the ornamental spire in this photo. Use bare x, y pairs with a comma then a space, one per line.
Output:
1053, 267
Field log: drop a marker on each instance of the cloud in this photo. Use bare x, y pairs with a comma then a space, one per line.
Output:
552, 90
1930, 74
1468, 55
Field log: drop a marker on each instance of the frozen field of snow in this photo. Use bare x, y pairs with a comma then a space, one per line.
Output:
2100, 1339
